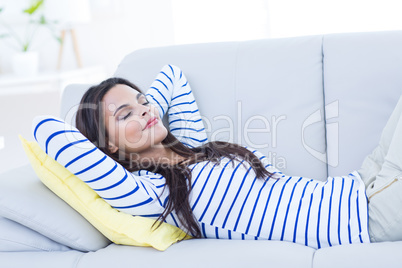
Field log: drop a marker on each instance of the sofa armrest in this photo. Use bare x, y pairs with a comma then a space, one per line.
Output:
71, 97
61, 259
24, 199
16, 237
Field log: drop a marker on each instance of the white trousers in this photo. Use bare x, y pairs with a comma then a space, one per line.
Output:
381, 172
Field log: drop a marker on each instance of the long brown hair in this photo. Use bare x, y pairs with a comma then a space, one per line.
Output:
90, 121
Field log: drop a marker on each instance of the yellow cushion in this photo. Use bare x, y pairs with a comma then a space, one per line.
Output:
118, 227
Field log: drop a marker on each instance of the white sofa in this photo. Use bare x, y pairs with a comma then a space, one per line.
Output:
314, 105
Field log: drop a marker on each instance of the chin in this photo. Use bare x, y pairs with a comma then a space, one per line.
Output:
163, 132
159, 134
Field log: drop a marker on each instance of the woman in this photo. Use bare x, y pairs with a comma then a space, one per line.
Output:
223, 190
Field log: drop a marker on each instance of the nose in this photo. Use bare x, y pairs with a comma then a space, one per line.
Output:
145, 110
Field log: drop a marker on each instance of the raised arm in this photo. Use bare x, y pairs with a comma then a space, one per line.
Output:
171, 93
136, 195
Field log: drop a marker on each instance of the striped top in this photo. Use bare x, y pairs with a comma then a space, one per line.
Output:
226, 198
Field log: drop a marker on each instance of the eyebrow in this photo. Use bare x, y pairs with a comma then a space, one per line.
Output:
120, 107
126, 104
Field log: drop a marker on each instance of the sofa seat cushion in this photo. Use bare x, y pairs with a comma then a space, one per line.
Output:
205, 253
386, 254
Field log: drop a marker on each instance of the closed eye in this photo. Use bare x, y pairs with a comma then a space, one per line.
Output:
127, 116
144, 99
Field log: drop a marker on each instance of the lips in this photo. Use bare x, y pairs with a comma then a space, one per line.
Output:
151, 122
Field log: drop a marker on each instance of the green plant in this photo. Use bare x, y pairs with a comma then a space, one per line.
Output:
35, 20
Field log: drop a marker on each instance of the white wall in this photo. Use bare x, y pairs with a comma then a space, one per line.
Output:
121, 26
219, 20
133, 24
311, 17
116, 28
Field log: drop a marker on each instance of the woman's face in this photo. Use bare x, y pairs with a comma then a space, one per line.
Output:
133, 125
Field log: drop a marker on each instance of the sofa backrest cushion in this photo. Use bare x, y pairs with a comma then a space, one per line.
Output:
362, 82
265, 94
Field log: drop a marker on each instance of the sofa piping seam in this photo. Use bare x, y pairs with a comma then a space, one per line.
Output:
324, 109
29, 245
78, 260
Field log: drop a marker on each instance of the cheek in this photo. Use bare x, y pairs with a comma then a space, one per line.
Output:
132, 132
132, 137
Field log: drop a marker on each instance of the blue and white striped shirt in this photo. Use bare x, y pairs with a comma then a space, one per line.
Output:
226, 198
